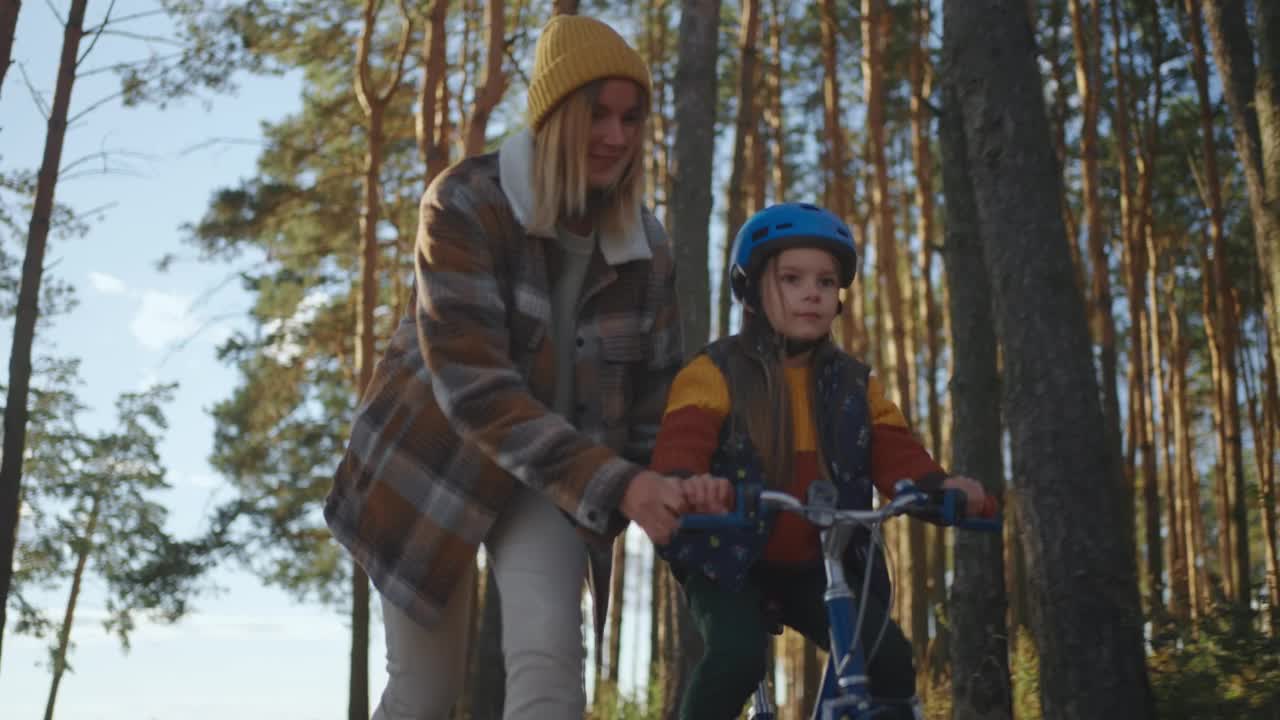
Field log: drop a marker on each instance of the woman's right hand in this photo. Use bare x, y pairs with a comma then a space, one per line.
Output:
654, 502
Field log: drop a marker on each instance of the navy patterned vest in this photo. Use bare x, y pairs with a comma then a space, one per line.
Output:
844, 434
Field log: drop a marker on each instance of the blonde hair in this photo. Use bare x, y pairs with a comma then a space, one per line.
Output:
560, 186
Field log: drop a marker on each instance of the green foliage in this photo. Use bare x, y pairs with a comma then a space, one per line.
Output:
280, 433
1219, 667
91, 506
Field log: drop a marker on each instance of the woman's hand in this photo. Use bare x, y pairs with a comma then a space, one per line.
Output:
655, 503
708, 494
975, 495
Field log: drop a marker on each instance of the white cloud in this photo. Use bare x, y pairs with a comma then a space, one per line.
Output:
107, 284
162, 318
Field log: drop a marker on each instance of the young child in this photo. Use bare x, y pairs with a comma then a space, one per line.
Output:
727, 417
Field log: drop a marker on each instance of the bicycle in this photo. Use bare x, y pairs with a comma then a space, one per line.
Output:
845, 692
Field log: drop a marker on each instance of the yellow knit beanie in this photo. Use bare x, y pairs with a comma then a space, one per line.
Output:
572, 51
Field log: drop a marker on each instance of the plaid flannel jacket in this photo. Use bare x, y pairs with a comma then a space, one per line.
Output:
457, 411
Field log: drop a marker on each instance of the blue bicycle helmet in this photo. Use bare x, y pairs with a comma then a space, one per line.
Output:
787, 225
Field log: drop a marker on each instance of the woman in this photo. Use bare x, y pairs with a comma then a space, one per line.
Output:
519, 399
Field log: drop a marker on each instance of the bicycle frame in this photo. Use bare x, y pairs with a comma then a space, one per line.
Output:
845, 693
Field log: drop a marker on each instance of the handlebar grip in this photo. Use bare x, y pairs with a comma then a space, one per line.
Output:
703, 521
744, 498
952, 512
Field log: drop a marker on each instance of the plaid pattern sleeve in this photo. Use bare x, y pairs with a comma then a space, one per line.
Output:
463, 331
896, 453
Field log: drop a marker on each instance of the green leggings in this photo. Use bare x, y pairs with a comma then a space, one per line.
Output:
735, 634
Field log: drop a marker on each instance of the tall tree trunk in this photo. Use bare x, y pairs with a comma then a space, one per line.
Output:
1188, 480
657, 160
744, 127
83, 549
921, 72
1058, 122
490, 93
28, 307
781, 177
836, 157
8, 26
695, 94
874, 31
1224, 310
1087, 39
1253, 103
374, 102
1262, 423
433, 154
1152, 541
1090, 636
616, 594
980, 651
657, 623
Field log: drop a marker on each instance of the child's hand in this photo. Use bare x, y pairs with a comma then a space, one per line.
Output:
708, 494
975, 495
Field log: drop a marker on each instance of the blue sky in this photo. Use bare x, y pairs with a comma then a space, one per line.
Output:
247, 651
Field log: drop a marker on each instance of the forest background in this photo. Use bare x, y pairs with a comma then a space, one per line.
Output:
1069, 220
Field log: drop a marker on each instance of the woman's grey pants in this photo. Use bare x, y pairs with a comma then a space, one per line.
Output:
540, 564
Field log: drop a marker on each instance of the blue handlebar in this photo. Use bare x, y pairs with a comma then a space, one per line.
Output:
946, 507
952, 513
742, 516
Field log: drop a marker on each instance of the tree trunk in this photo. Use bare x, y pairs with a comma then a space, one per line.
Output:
566, 7
489, 94
744, 128
28, 307
82, 549
695, 94
921, 72
1081, 571
1188, 497
8, 26
658, 160
433, 154
1263, 427
1087, 40
836, 157
980, 649
1253, 103
616, 594
1223, 340
1152, 541
781, 177
374, 103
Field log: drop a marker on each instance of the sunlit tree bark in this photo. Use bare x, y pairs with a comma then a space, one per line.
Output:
746, 126
27, 310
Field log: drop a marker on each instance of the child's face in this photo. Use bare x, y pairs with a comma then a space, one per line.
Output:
800, 290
